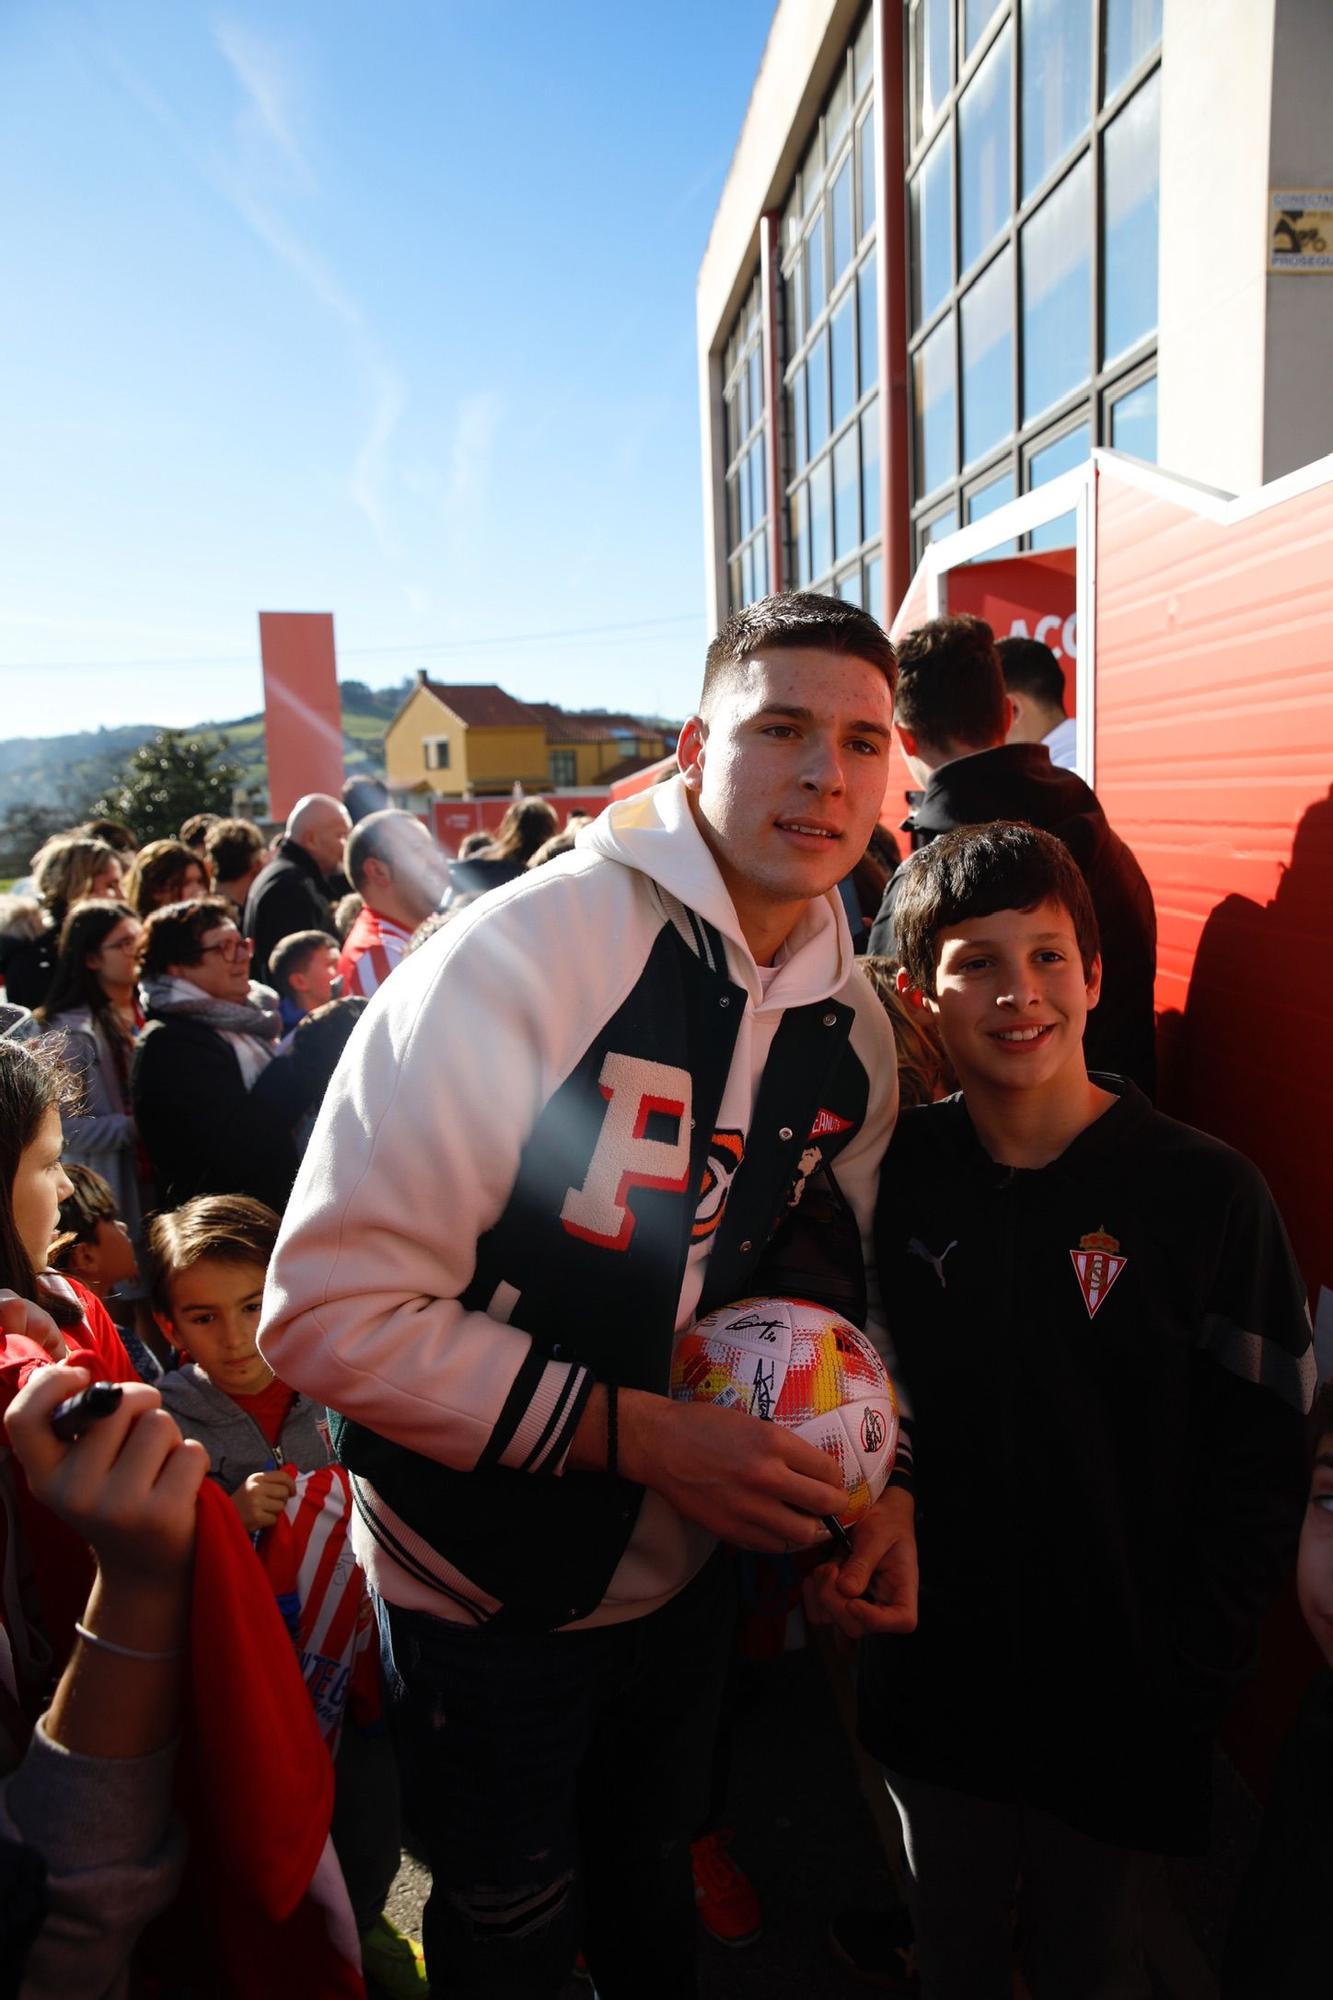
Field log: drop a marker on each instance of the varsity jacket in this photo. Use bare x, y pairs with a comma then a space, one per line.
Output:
569, 1122
1109, 1362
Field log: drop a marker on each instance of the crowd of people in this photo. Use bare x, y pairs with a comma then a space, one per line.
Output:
351, 1200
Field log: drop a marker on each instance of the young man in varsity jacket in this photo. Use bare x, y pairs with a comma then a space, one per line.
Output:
569, 1124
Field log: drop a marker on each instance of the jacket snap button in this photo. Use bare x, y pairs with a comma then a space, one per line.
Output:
725, 1001
785, 1133
747, 1245
830, 1020
556, 1348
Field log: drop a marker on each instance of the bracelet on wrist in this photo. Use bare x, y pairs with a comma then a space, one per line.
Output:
124, 1652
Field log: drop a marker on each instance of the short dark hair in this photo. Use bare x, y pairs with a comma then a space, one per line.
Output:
89, 1203
787, 621
975, 871
158, 872
174, 934
113, 831
372, 839
194, 830
952, 690
1032, 669
234, 1228
1321, 1416
231, 846
363, 796
293, 953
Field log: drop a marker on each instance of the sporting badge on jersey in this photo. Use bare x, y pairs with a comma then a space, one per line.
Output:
1097, 1265
726, 1150
828, 1124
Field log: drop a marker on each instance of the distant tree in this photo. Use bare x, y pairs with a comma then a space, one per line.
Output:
23, 829
167, 779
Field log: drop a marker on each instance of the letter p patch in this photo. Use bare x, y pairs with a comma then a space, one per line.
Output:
625, 1157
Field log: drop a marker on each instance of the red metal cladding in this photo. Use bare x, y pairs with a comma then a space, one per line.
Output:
303, 732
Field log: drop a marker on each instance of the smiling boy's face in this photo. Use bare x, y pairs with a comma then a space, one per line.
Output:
1314, 1563
1011, 998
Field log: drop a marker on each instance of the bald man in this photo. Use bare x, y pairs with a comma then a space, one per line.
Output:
292, 892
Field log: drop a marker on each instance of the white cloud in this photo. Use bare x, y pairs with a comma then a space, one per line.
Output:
270, 91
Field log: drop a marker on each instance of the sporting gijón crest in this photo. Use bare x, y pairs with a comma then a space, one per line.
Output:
1097, 1265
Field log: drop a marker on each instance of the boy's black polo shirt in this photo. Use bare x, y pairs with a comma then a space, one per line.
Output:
1108, 1361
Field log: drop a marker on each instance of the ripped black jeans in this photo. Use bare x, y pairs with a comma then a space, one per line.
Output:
556, 1781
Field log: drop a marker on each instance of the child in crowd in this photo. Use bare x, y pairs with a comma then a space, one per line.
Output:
304, 972
1107, 1348
93, 1244
206, 1266
1278, 1945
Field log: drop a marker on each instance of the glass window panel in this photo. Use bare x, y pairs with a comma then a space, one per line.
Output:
800, 536
1129, 207
791, 219
1056, 289
821, 519
742, 405
1048, 464
984, 146
842, 335
870, 495
796, 407
976, 15
930, 61
756, 383
846, 495
867, 323
791, 291
816, 284
736, 599
1057, 82
758, 497
874, 600
816, 393
730, 409
865, 147
1134, 422
986, 321
933, 406
747, 576
839, 111
812, 173
932, 230
733, 510
985, 501
942, 525
848, 586
743, 486
761, 566
1132, 28
841, 199
863, 58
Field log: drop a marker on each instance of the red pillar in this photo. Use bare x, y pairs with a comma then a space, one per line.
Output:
302, 708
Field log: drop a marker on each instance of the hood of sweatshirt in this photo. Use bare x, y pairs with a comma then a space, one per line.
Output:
655, 832
1013, 781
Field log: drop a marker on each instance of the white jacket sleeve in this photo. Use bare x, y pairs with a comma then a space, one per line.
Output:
413, 1158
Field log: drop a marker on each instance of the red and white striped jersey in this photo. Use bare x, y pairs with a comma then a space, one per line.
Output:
322, 1595
374, 945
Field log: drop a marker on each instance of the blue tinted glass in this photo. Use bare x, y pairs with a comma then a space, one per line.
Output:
816, 285
1066, 452
997, 494
1132, 28
733, 510
848, 587
821, 520
984, 144
846, 495
747, 575
942, 525
867, 321
816, 393
841, 199
875, 588
744, 482
1056, 293
756, 383
792, 292
1134, 422
932, 230
796, 408
870, 471
799, 528
975, 16
933, 402
930, 60
761, 566
986, 320
1129, 207
842, 336
865, 146
1057, 82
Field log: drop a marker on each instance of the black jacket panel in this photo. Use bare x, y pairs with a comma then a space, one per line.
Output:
288, 895
204, 1132
1109, 1462
1019, 781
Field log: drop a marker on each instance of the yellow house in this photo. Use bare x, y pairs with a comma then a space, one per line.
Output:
589, 750
464, 742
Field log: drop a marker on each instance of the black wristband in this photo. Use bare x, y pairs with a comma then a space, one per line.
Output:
612, 1455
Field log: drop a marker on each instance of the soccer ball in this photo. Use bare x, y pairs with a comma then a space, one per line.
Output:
804, 1367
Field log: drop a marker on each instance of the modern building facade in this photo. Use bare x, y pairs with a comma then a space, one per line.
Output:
962, 243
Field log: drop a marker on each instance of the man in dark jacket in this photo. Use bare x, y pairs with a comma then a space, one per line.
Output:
951, 716
291, 894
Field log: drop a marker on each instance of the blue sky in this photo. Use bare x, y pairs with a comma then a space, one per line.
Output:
380, 309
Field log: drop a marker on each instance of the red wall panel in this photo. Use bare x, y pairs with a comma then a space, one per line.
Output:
303, 731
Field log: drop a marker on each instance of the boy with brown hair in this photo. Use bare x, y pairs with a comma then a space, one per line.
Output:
1106, 1343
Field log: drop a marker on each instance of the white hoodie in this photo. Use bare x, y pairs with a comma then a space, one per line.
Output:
417, 1146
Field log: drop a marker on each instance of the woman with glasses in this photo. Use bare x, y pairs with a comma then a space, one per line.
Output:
92, 1007
213, 1108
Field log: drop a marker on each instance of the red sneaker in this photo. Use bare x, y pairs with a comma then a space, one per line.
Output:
724, 1898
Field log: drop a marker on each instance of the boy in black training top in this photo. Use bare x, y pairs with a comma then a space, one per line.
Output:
1107, 1347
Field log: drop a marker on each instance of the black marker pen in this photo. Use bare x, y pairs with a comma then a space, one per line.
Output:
77, 1414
